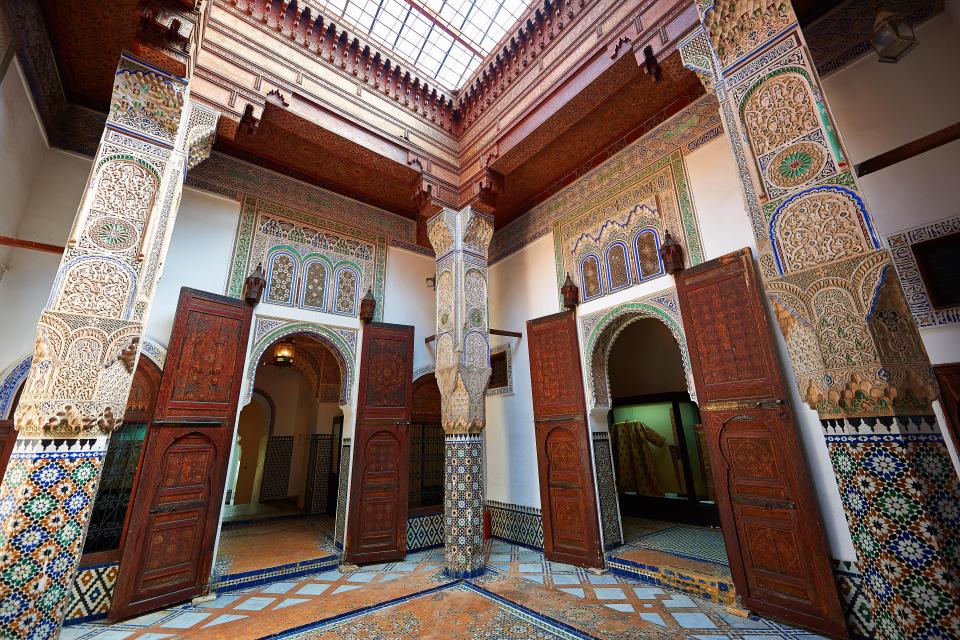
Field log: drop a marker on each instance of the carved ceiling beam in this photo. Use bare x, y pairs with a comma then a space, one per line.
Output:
167, 35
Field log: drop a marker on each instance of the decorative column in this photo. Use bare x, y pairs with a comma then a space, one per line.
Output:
853, 345
89, 335
460, 240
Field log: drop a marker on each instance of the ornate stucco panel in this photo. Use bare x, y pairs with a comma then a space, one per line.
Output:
461, 240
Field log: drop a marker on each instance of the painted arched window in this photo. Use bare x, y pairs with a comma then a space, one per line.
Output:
281, 278
618, 271
590, 282
646, 244
347, 282
315, 274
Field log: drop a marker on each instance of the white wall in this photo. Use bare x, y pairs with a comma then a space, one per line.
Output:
521, 287
408, 299
878, 107
198, 257
22, 146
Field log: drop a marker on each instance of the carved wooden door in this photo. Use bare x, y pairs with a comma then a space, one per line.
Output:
770, 521
571, 527
377, 520
8, 436
948, 376
167, 548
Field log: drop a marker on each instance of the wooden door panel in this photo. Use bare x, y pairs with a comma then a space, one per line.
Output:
167, 548
571, 527
948, 377
770, 520
377, 522
8, 436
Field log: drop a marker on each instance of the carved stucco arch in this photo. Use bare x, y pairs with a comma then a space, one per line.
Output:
340, 350
604, 335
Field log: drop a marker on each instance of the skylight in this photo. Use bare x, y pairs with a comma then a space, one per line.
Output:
445, 40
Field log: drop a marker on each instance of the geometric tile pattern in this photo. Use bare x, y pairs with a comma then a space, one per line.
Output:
343, 484
902, 499
517, 524
318, 472
424, 531
854, 600
91, 593
654, 610
607, 487
463, 504
918, 298
696, 543
276, 468
45, 502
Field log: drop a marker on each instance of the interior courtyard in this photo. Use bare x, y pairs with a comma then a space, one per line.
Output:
479, 319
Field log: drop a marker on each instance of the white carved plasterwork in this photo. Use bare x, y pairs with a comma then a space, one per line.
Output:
88, 338
461, 242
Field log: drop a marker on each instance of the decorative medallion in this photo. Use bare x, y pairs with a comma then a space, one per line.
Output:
476, 317
796, 165
113, 234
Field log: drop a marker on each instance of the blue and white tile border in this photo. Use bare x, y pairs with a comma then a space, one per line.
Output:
918, 298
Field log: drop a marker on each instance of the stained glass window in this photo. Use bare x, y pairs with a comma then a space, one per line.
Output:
617, 264
280, 284
590, 276
314, 285
648, 254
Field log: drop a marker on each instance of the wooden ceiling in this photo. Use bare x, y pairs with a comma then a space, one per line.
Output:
597, 120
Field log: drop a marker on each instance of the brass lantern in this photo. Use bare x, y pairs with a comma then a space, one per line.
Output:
672, 254
892, 38
284, 354
570, 293
368, 307
253, 286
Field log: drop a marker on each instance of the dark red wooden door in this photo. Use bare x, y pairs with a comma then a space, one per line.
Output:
377, 520
948, 376
167, 549
571, 527
8, 436
771, 524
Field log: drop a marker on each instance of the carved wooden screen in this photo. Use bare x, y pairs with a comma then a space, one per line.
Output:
168, 545
377, 521
571, 529
771, 525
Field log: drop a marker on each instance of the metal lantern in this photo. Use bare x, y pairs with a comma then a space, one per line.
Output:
571, 294
671, 253
284, 354
892, 37
368, 306
253, 285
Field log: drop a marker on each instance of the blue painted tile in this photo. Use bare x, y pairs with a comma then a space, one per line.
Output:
255, 604
221, 619
278, 587
346, 587
564, 579
185, 620
610, 593
289, 602
691, 620
312, 589
573, 591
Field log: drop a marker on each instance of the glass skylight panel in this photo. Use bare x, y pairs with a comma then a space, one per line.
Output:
443, 40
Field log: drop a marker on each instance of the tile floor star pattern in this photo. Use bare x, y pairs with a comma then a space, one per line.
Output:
682, 615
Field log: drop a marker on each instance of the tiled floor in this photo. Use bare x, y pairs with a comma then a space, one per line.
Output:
274, 543
523, 596
688, 541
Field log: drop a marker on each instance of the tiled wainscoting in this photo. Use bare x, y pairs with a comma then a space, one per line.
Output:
92, 592
424, 531
517, 524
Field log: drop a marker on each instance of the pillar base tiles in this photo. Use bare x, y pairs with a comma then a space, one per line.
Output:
854, 347
461, 240
88, 339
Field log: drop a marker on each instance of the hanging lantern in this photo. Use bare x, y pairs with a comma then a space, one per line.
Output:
368, 306
570, 293
671, 253
284, 354
253, 285
892, 37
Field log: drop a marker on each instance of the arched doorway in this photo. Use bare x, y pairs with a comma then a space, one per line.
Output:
426, 449
658, 485
283, 468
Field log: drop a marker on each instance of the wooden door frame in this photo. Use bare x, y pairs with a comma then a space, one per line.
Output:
376, 419
191, 417
566, 415
795, 470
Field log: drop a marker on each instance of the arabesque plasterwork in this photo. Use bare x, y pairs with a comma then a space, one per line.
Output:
852, 340
461, 242
310, 262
